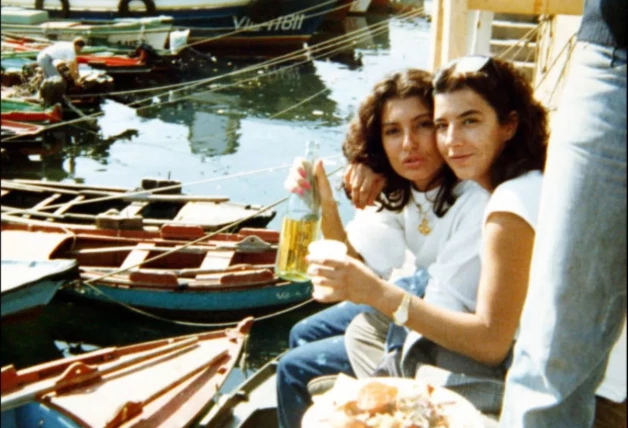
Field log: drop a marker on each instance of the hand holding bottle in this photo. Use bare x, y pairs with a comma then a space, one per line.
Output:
300, 182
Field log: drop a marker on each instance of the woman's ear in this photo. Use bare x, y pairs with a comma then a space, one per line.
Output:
511, 125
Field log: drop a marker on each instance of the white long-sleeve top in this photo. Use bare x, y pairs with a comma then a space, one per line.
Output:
450, 252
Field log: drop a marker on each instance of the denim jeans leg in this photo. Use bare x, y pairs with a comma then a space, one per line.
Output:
576, 301
326, 323
298, 367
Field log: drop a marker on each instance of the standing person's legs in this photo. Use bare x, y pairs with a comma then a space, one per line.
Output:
577, 298
298, 367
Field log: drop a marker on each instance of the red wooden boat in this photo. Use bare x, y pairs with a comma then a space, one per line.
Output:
166, 382
19, 111
21, 129
230, 276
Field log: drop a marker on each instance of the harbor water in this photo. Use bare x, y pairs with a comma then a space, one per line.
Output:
238, 142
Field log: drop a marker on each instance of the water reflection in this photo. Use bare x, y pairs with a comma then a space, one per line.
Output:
213, 116
210, 136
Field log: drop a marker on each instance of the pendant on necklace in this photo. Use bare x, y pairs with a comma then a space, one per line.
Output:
424, 228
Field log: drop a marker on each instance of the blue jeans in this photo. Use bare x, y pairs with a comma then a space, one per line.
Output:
576, 300
317, 348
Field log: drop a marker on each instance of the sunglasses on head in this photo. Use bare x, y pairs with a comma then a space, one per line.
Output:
472, 64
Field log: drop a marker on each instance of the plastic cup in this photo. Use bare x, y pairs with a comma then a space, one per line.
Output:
328, 249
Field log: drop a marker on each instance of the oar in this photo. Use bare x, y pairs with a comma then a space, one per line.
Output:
190, 272
188, 250
79, 373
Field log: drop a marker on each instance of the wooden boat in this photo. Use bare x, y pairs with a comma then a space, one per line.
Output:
199, 281
20, 129
229, 26
28, 286
25, 111
251, 404
122, 31
148, 208
166, 383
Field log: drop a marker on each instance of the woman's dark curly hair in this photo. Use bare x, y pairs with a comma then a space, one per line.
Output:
363, 143
506, 90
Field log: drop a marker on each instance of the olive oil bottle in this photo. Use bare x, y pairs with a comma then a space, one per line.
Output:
300, 225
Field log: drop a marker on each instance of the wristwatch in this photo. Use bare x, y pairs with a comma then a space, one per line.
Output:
400, 316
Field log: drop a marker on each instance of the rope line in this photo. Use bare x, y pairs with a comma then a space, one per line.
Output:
160, 189
343, 38
89, 282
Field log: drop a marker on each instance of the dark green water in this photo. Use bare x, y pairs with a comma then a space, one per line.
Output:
215, 141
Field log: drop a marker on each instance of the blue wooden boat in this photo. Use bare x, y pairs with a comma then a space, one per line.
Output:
286, 24
162, 383
28, 286
225, 278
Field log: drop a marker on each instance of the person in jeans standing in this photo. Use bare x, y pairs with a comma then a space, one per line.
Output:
577, 290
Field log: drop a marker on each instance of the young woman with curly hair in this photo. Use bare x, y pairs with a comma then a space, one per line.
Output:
423, 210
489, 130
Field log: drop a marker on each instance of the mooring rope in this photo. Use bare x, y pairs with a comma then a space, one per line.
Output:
100, 113
145, 192
90, 282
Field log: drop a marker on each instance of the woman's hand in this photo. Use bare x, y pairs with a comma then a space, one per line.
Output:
298, 182
336, 281
363, 184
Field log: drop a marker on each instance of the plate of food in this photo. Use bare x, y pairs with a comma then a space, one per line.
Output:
387, 402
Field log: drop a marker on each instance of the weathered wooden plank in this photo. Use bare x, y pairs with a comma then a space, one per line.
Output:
529, 7
133, 208
454, 42
62, 209
137, 256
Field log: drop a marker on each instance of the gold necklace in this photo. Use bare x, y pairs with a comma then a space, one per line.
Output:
424, 226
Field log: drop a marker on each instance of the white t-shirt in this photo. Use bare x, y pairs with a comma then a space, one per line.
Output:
450, 251
521, 196
61, 50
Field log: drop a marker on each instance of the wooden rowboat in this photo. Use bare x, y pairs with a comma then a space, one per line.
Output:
204, 280
21, 129
166, 382
72, 205
28, 286
26, 111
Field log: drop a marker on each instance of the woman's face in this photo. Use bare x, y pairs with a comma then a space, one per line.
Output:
469, 135
409, 143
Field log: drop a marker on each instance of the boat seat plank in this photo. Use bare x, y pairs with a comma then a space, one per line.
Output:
49, 200
4, 192
62, 209
137, 256
133, 209
217, 260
